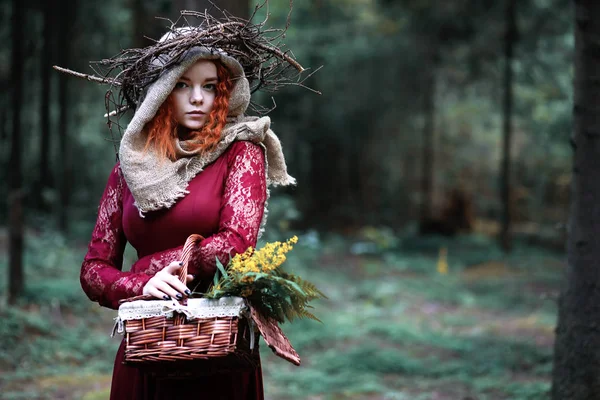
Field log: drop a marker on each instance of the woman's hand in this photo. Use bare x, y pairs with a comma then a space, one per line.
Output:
166, 284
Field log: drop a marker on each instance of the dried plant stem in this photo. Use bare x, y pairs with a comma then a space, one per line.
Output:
91, 78
282, 55
119, 110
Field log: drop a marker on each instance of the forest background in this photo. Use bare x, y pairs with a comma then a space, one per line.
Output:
433, 189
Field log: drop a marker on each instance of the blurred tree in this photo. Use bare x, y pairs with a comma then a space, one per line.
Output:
323, 149
576, 374
427, 162
439, 31
3, 125
64, 39
237, 8
145, 24
505, 180
140, 23
46, 60
15, 270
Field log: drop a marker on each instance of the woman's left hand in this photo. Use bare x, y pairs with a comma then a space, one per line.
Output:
166, 284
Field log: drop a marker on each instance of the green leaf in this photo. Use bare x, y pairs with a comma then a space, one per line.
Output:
216, 279
259, 275
296, 287
221, 268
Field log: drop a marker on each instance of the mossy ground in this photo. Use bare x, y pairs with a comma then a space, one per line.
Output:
394, 327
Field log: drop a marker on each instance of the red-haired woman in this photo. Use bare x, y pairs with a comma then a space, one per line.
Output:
190, 163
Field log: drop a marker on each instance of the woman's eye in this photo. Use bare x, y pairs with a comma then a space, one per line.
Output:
210, 86
180, 85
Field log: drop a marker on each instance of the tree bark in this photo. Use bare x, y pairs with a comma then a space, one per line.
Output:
64, 159
505, 181
139, 21
146, 27
15, 278
427, 161
576, 374
4, 110
63, 135
45, 131
324, 150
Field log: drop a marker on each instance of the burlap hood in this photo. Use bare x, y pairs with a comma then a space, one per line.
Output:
156, 183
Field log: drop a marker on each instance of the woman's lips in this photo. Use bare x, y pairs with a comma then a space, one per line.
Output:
198, 113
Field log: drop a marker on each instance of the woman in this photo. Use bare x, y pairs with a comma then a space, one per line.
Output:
190, 163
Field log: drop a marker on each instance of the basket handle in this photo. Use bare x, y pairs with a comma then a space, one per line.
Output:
186, 253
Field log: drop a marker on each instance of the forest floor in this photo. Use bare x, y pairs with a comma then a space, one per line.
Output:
402, 321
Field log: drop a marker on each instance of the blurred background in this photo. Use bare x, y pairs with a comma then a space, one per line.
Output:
433, 189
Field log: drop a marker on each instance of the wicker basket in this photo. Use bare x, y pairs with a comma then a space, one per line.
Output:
200, 335
196, 336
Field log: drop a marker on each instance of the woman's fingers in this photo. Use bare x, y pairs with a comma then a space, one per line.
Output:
173, 267
154, 292
190, 278
176, 284
166, 284
167, 289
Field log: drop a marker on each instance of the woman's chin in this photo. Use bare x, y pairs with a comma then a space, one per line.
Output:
193, 127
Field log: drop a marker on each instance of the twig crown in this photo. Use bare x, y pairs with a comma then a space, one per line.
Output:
268, 66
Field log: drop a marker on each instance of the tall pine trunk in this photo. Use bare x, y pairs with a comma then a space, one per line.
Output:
576, 374
505, 181
44, 176
64, 157
322, 205
427, 158
146, 26
15, 197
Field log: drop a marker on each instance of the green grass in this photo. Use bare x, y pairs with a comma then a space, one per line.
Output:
393, 327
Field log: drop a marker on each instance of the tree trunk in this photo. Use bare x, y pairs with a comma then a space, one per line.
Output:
323, 205
64, 164
4, 109
146, 27
15, 278
427, 169
45, 68
505, 189
576, 374
139, 21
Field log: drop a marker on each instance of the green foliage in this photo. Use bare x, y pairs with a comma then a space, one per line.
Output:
257, 275
393, 327
283, 212
408, 332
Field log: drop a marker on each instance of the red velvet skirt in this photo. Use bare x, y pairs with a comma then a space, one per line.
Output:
130, 383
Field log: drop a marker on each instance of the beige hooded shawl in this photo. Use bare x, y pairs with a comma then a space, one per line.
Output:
156, 183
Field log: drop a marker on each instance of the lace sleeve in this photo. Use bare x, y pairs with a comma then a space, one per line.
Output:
101, 276
242, 209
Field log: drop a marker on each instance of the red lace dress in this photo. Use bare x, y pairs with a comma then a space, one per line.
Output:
225, 205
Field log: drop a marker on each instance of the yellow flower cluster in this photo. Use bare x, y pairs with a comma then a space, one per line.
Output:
266, 259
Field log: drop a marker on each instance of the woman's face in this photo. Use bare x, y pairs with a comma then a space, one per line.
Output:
194, 95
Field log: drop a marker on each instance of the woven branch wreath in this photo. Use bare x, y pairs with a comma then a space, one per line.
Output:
257, 48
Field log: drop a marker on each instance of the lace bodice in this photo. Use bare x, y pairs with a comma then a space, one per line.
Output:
237, 187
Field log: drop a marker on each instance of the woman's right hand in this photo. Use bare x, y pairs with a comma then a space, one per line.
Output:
165, 284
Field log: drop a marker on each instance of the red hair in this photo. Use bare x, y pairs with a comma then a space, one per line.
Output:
162, 129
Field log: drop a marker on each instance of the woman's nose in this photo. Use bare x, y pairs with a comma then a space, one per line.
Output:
196, 96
